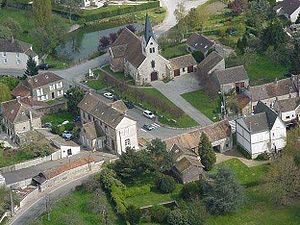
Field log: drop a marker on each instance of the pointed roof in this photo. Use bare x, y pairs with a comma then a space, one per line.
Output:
148, 29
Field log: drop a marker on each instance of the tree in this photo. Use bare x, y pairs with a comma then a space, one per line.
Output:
273, 34
133, 215
295, 58
13, 25
225, 194
196, 213
5, 94
180, 11
192, 191
42, 13
5, 32
104, 42
165, 184
177, 217
206, 152
31, 69
283, 179
159, 214
74, 96
73, 7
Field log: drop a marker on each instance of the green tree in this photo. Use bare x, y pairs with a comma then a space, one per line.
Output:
159, 214
177, 217
13, 25
206, 152
196, 213
180, 11
31, 69
5, 32
295, 58
42, 13
225, 194
74, 96
165, 184
133, 215
5, 94
273, 34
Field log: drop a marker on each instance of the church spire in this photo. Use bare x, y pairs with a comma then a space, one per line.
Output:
148, 29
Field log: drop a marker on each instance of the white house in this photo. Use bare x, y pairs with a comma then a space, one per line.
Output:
92, 3
106, 125
288, 110
262, 132
288, 8
2, 180
14, 54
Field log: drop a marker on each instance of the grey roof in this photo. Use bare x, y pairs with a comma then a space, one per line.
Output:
256, 123
287, 105
13, 45
210, 62
271, 114
148, 29
199, 42
182, 61
273, 89
287, 6
231, 75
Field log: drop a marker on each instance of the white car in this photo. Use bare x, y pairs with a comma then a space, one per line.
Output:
148, 114
108, 95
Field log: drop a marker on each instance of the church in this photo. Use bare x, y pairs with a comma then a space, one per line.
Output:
139, 58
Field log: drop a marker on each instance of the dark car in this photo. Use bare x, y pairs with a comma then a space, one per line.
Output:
129, 104
44, 66
77, 119
148, 127
116, 98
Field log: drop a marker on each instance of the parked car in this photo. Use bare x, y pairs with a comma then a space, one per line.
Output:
148, 114
77, 119
148, 127
47, 125
65, 122
129, 104
67, 135
108, 95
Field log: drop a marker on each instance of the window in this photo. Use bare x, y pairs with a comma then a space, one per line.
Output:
153, 64
59, 93
287, 117
18, 61
153, 50
183, 69
4, 54
52, 87
127, 142
18, 54
5, 61
150, 50
59, 85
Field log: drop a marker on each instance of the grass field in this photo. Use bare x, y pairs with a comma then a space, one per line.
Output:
57, 118
174, 51
209, 107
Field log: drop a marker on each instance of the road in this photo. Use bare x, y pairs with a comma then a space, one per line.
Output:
170, 20
27, 215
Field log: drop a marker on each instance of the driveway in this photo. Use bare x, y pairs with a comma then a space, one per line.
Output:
173, 90
170, 20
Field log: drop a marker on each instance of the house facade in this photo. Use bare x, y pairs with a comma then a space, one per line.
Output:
288, 8
18, 117
198, 42
106, 125
288, 110
262, 132
182, 65
14, 54
42, 87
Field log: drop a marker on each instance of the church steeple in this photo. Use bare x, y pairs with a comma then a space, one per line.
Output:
148, 30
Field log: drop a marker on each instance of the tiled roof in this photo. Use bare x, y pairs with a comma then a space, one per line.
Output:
41, 80
210, 62
133, 52
186, 162
231, 75
287, 105
182, 61
119, 106
21, 90
287, 6
190, 140
273, 89
200, 42
8, 45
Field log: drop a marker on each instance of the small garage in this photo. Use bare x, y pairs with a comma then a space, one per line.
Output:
183, 65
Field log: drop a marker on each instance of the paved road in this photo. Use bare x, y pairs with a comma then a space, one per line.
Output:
27, 215
27, 173
173, 91
170, 20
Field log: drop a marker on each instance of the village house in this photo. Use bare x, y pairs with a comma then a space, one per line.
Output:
198, 42
140, 59
262, 132
92, 3
14, 54
188, 167
41, 87
18, 117
219, 134
277, 90
233, 78
288, 8
106, 125
288, 110
212, 62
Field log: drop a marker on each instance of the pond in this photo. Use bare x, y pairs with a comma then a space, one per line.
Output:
83, 44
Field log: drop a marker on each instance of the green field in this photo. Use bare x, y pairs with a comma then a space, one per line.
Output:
174, 51
209, 107
58, 118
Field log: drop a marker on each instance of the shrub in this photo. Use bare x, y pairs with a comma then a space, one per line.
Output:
165, 184
159, 214
176, 217
133, 215
263, 156
191, 191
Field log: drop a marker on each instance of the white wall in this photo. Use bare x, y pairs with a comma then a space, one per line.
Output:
294, 16
14, 60
278, 135
64, 150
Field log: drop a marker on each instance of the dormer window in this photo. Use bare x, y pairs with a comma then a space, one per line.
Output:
151, 43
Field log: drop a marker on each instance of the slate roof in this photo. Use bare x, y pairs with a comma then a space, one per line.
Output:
15, 111
186, 162
182, 61
200, 42
287, 6
287, 105
271, 114
129, 46
231, 75
190, 140
41, 80
94, 105
273, 89
148, 33
210, 62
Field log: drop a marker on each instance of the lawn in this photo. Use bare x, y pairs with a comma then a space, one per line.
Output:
174, 51
209, 107
258, 208
14, 158
72, 209
10, 81
58, 118
262, 70
97, 83
118, 75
